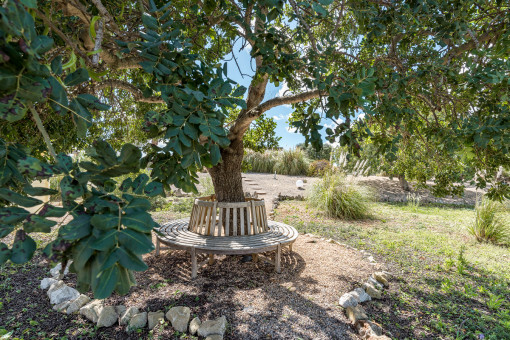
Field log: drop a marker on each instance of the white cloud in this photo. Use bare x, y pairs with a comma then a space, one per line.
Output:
283, 90
281, 117
291, 129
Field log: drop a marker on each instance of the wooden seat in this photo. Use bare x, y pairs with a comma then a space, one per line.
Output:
176, 235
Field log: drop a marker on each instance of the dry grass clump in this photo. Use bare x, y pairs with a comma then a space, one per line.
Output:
285, 162
336, 198
489, 226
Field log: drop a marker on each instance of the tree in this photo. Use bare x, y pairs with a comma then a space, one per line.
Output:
438, 68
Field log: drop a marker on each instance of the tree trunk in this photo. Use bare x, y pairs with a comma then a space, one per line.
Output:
403, 183
226, 176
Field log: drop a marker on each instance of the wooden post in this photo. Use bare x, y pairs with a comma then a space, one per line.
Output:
211, 259
157, 246
193, 263
278, 258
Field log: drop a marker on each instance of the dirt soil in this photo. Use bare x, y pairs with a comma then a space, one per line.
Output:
301, 302
386, 189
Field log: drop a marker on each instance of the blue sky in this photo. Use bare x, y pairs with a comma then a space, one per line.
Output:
280, 113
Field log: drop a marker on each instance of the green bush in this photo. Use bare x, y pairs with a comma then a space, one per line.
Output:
319, 168
334, 196
261, 161
291, 162
206, 186
488, 225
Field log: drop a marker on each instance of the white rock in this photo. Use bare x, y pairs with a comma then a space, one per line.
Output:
120, 310
76, 304
376, 283
348, 300
55, 271
361, 295
194, 325
214, 337
372, 290
54, 286
92, 310
61, 307
137, 321
212, 327
371, 259
179, 318
128, 314
64, 293
153, 318
107, 317
47, 282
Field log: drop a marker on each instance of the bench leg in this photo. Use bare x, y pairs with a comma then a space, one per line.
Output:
211, 259
193, 263
278, 258
290, 247
157, 246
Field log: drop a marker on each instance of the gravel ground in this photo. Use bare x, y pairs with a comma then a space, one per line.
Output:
387, 189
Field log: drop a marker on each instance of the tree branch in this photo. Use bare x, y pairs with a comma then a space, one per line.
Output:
136, 92
68, 41
243, 121
43, 132
107, 17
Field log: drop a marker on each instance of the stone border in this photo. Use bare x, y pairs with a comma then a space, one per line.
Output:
371, 289
68, 300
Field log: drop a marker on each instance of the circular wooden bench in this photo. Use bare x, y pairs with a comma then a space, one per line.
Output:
216, 228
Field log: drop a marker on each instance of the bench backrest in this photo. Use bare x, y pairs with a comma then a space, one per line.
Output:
213, 218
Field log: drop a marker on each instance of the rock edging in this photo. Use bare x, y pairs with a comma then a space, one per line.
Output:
68, 300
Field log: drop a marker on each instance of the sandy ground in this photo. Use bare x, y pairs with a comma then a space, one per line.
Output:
269, 186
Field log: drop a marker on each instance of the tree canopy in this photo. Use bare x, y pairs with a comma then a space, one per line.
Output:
429, 72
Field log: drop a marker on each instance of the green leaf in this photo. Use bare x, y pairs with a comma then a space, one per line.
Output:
70, 188
29, 3
56, 65
23, 248
239, 91
125, 281
319, 9
82, 252
105, 221
38, 191
130, 261
38, 224
92, 27
5, 253
51, 211
138, 204
77, 77
59, 102
5, 229
153, 189
18, 199
42, 44
92, 102
77, 229
106, 240
12, 215
64, 162
138, 220
34, 168
139, 183
215, 154
138, 243
106, 282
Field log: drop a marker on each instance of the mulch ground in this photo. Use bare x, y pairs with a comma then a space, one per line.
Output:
301, 302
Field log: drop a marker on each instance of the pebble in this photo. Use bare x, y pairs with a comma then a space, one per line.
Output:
137, 321
348, 300
107, 317
194, 325
361, 295
179, 317
127, 315
212, 327
77, 303
356, 313
154, 318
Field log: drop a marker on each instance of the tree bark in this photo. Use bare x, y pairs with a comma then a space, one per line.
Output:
403, 183
226, 176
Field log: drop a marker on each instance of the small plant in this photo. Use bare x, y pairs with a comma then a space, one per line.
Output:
338, 199
488, 225
413, 201
319, 168
495, 301
206, 186
291, 162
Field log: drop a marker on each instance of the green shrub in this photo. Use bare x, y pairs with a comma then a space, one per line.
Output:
261, 161
488, 225
334, 196
206, 186
319, 168
291, 162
